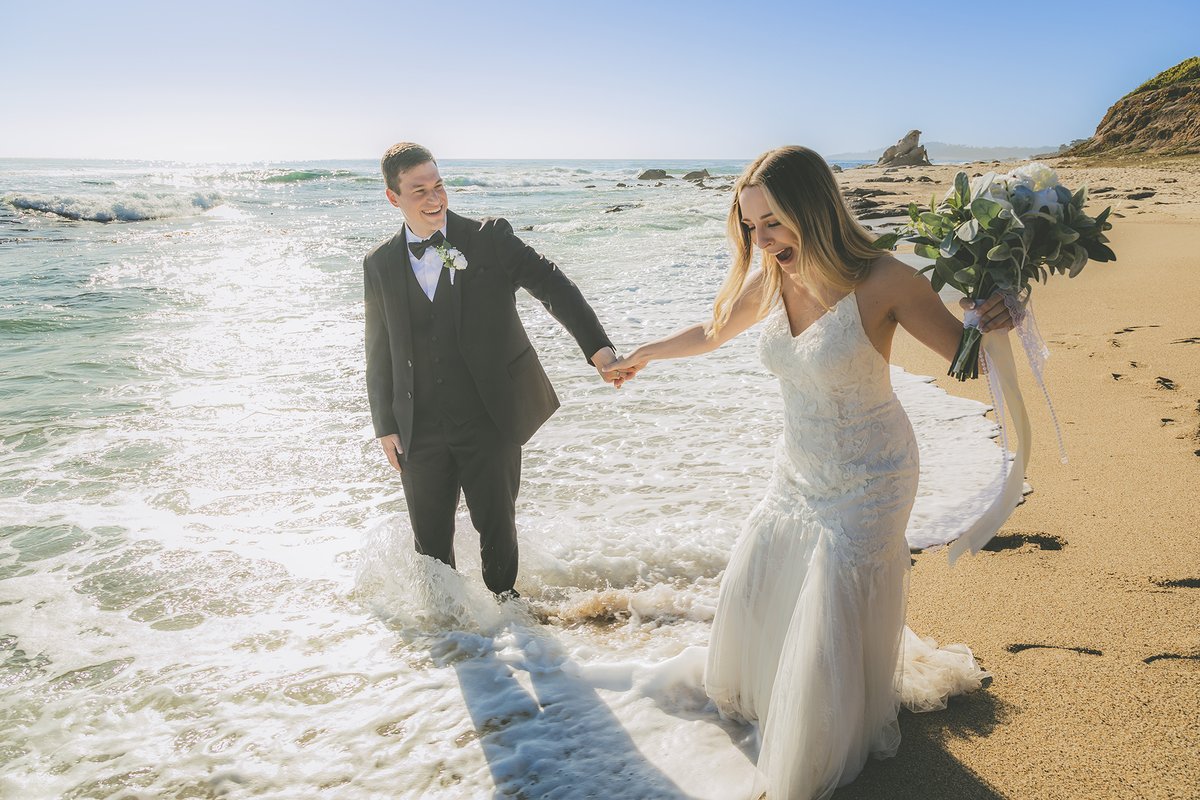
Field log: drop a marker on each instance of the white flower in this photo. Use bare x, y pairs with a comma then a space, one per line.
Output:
452, 259
992, 187
1037, 176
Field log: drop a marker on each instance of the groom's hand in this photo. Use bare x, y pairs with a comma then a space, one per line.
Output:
392, 449
603, 361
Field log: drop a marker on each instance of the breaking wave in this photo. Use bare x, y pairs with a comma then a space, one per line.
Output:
131, 207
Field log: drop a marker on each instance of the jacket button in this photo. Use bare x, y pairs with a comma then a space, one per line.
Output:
410, 395
410, 364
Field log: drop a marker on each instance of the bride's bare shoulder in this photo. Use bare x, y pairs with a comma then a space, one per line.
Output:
888, 277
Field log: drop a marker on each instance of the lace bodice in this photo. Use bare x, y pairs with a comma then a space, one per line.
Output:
843, 425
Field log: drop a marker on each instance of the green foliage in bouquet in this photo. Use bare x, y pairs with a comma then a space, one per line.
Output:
1000, 233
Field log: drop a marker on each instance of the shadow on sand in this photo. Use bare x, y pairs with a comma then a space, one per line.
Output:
924, 768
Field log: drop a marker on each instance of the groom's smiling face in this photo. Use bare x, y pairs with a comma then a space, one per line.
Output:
422, 199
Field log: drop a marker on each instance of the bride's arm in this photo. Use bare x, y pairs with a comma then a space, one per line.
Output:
918, 308
698, 339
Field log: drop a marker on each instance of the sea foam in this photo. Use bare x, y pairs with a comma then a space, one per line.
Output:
129, 207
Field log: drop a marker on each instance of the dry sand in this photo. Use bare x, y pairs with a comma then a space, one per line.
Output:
1088, 613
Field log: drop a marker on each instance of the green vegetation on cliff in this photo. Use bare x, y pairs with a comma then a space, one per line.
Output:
1183, 72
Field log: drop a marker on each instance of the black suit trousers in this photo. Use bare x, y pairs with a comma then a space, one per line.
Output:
476, 460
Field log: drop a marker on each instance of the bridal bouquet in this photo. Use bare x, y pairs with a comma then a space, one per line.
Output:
999, 232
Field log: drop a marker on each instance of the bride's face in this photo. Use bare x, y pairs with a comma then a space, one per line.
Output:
766, 232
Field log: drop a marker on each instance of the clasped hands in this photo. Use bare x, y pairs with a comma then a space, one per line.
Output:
615, 370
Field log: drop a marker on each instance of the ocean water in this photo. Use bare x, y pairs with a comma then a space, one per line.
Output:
207, 585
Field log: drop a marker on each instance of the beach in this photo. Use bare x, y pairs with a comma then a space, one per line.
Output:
1089, 617
207, 587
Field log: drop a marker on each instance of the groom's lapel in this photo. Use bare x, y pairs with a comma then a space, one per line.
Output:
458, 234
396, 273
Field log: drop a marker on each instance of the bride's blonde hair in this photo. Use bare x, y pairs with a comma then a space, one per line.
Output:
835, 250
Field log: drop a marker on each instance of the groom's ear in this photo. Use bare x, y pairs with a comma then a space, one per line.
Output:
392, 197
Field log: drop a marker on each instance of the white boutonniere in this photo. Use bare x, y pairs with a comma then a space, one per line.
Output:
452, 259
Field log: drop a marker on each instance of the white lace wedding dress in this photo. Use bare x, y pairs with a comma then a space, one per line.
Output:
809, 638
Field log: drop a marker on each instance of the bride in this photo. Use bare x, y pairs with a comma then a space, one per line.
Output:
809, 639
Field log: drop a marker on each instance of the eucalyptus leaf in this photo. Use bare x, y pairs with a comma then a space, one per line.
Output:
886, 242
1080, 260
968, 231
925, 251
982, 185
1065, 234
986, 211
962, 188
949, 245
1000, 252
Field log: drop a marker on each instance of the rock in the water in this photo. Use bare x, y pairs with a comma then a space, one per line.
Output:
697, 175
653, 175
835, 168
622, 186
590, 186
905, 153
613, 209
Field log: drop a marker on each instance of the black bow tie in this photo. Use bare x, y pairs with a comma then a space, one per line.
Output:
418, 248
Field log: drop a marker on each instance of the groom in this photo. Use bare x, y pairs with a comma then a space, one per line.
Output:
454, 384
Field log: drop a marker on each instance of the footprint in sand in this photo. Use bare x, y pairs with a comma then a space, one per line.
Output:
1178, 583
1165, 383
1021, 647
1174, 659
1189, 340
1018, 539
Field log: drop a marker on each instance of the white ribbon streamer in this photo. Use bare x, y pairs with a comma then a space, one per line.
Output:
1037, 353
1002, 376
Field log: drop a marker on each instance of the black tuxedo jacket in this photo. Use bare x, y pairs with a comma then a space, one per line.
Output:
510, 379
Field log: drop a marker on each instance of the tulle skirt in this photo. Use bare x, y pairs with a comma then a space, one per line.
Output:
809, 639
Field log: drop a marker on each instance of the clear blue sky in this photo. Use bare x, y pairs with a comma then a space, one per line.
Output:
217, 80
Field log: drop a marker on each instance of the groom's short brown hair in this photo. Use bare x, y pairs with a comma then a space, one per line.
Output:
399, 157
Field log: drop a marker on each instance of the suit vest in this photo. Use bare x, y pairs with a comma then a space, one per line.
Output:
443, 389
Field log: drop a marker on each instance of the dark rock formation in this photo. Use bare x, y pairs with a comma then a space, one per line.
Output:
653, 175
697, 175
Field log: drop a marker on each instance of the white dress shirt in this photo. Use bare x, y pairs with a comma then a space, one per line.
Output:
427, 268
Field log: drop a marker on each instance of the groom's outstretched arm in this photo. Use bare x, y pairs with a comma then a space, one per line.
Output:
544, 280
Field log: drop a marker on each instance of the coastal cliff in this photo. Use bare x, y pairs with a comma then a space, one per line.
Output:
1161, 118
